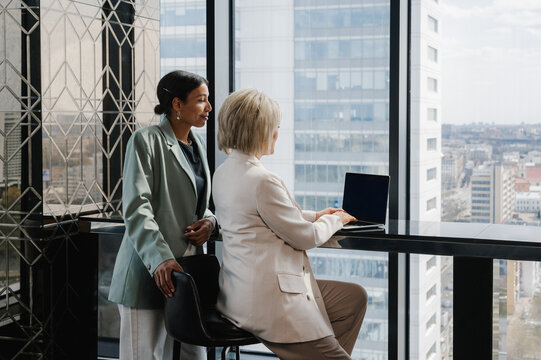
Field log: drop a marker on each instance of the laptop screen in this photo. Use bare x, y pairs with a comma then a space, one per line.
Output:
365, 196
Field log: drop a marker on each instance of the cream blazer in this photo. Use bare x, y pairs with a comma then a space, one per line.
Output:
265, 235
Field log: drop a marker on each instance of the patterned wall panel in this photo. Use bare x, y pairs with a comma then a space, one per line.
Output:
72, 95
100, 68
76, 78
20, 188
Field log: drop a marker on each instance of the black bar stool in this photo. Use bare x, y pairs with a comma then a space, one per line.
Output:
191, 316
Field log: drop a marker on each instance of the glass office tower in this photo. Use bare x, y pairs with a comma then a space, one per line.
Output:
341, 123
183, 36
341, 104
327, 64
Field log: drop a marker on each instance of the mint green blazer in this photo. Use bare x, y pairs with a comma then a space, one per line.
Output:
159, 200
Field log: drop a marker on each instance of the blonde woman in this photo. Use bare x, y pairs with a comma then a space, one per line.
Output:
266, 284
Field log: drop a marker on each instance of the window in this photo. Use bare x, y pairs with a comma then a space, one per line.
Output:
432, 54
480, 182
432, 114
431, 174
183, 37
480, 188
472, 138
431, 204
372, 16
432, 24
431, 263
475, 201
336, 120
431, 322
171, 14
373, 331
183, 48
476, 207
432, 84
431, 352
431, 292
432, 144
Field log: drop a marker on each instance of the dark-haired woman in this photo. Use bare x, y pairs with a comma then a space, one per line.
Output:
165, 194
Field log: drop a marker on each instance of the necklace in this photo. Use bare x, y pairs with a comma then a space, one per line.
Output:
188, 142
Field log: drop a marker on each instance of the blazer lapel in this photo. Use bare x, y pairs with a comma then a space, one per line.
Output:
201, 148
174, 147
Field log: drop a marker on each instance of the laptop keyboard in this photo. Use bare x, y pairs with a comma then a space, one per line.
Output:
361, 223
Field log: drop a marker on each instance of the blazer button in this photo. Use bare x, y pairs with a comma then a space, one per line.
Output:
308, 297
148, 267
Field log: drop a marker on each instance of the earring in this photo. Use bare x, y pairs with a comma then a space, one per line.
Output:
178, 116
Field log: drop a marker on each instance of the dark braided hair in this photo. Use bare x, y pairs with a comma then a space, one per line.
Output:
176, 84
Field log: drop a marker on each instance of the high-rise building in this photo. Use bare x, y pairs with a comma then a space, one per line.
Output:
10, 141
327, 64
426, 113
426, 272
452, 165
492, 194
183, 36
341, 102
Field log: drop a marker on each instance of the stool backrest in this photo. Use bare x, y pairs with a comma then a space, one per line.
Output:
196, 292
204, 269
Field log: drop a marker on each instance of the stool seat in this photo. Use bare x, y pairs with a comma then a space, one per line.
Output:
224, 332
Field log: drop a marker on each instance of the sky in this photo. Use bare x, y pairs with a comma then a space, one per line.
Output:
491, 61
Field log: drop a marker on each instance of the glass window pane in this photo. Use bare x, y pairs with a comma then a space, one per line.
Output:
333, 93
432, 24
431, 174
431, 144
432, 114
431, 203
432, 84
183, 43
183, 36
432, 54
431, 307
474, 98
516, 309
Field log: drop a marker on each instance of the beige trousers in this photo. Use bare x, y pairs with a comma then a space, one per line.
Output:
346, 305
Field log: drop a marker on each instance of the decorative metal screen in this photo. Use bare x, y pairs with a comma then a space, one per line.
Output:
76, 78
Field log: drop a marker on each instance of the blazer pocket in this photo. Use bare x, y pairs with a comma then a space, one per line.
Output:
291, 283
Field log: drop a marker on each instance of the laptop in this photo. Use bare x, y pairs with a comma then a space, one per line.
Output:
365, 197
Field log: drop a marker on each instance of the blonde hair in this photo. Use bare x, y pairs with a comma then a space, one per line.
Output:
247, 121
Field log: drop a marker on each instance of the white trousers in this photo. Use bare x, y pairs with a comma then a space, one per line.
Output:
143, 337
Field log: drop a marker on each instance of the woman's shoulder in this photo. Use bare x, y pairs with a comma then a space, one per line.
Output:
264, 178
270, 179
148, 134
149, 131
233, 167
